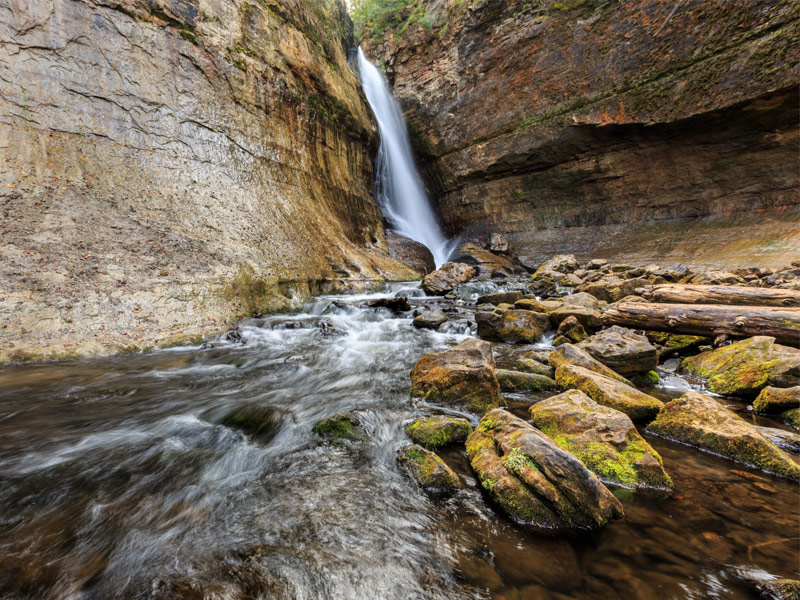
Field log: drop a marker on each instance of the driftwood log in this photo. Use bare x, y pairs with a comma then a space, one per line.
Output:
708, 320
738, 295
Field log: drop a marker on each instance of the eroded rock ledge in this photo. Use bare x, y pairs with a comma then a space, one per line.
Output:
564, 123
168, 165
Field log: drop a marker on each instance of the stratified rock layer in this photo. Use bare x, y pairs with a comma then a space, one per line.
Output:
167, 166
563, 122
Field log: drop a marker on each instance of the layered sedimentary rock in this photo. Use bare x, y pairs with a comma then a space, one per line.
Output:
170, 164
563, 122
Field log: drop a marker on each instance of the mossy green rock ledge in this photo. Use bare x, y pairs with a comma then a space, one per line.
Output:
441, 430
772, 400
746, 367
604, 439
701, 421
463, 376
535, 481
572, 355
609, 392
341, 426
518, 381
427, 469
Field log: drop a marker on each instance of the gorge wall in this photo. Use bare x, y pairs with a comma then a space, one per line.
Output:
649, 129
168, 165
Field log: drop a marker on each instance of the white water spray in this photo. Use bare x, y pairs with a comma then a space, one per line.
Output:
400, 192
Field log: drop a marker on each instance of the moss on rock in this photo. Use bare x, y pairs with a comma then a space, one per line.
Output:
772, 400
427, 469
434, 432
517, 381
341, 426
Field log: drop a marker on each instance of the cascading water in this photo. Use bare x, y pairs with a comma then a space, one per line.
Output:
400, 192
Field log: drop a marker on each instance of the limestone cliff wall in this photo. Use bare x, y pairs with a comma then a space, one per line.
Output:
167, 165
602, 125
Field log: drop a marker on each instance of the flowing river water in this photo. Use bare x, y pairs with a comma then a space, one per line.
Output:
119, 479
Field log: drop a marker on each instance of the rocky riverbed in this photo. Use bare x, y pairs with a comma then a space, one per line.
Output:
365, 448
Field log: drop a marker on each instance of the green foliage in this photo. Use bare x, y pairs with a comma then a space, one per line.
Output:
374, 18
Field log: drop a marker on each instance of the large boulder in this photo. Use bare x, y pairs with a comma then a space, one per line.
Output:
534, 480
772, 400
463, 376
519, 381
485, 261
603, 438
445, 278
427, 469
609, 392
411, 253
701, 421
572, 355
441, 430
746, 367
523, 326
622, 350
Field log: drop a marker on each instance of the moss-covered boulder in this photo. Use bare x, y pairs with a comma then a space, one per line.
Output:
341, 426
427, 469
531, 365
609, 392
791, 418
515, 326
569, 354
570, 331
676, 341
463, 376
603, 438
772, 400
746, 367
518, 381
535, 481
621, 350
441, 430
779, 589
701, 421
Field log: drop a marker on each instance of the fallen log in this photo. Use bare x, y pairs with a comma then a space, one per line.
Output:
738, 295
708, 320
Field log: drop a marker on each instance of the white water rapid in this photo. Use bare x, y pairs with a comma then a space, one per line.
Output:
400, 192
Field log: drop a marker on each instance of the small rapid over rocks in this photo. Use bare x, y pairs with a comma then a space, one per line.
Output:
401, 193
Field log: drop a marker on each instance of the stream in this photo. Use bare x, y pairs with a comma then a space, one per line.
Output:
119, 479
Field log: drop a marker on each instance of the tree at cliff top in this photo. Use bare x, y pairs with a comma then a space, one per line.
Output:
375, 17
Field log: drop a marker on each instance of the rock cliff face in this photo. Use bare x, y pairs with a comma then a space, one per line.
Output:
592, 125
168, 165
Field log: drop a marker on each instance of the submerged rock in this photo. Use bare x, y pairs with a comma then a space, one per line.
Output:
445, 278
534, 480
463, 375
785, 440
433, 432
603, 438
427, 469
609, 392
518, 381
522, 326
341, 426
772, 400
701, 421
429, 319
409, 252
570, 331
746, 367
573, 355
260, 421
622, 350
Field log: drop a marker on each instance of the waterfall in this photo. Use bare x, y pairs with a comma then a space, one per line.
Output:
401, 194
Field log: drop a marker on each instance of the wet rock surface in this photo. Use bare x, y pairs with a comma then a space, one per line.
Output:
429, 319
514, 325
703, 422
517, 381
441, 430
445, 278
341, 426
573, 355
427, 469
534, 480
412, 254
773, 400
621, 350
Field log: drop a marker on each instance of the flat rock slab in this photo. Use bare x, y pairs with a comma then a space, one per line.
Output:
441, 430
427, 469
605, 440
745, 368
534, 480
570, 354
609, 392
445, 278
701, 421
463, 376
622, 350
515, 326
